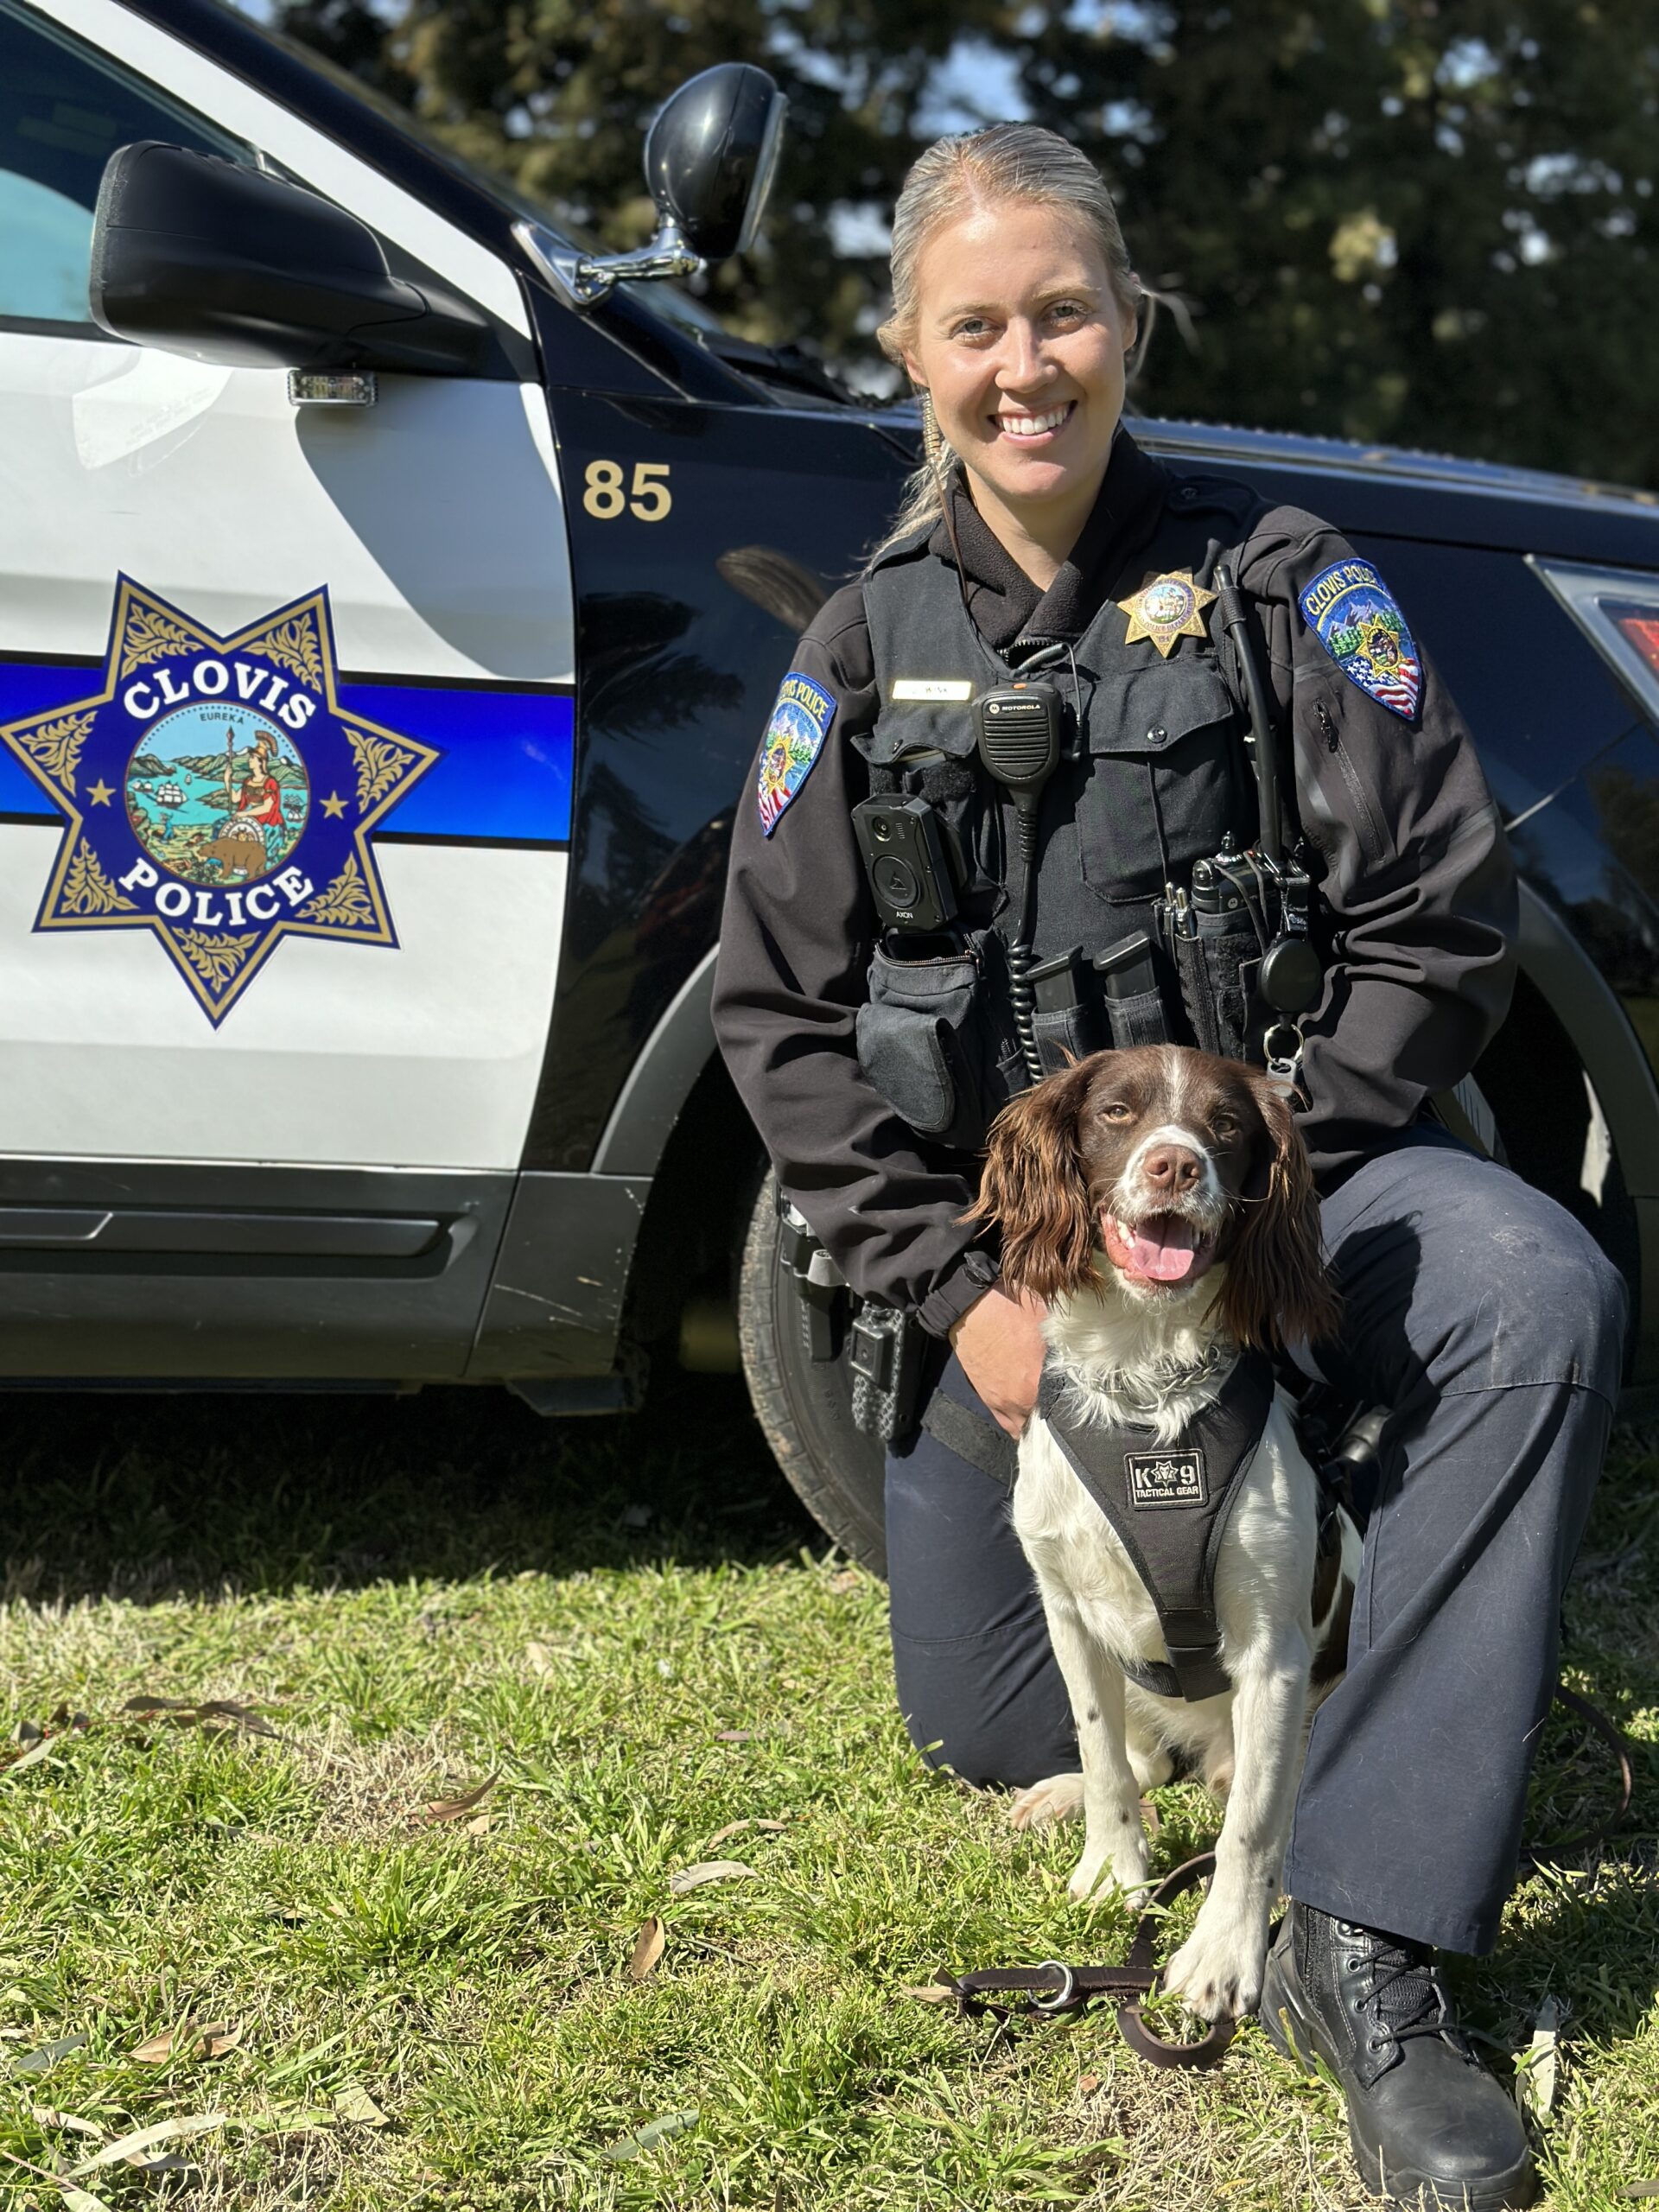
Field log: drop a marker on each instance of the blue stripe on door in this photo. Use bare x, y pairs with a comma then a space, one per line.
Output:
504, 775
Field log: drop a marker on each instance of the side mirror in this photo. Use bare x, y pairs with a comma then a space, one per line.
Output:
711, 155
203, 258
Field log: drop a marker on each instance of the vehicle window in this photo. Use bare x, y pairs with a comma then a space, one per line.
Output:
63, 111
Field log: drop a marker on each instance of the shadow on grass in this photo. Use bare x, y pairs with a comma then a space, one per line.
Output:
145, 1497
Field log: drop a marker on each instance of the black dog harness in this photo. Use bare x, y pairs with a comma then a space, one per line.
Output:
1169, 1505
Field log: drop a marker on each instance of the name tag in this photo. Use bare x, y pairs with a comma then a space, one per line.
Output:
936, 688
1166, 1478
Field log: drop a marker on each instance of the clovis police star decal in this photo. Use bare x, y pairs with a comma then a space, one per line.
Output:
217, 793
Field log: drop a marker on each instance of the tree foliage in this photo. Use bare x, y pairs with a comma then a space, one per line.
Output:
1388, 220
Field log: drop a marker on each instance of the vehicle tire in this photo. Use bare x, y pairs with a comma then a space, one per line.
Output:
805, 1406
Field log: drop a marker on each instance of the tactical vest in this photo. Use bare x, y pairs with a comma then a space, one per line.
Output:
1169, 1505
1158, 779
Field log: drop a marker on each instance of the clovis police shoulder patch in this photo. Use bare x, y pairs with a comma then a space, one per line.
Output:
215, 793
1354, 615
800, 722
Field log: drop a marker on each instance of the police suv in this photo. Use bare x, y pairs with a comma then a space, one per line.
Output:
391, 597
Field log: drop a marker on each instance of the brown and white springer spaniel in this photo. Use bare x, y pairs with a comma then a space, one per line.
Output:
1160, 1202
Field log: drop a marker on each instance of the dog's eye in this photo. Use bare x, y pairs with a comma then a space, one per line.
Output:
1224, 1129
1116, 1110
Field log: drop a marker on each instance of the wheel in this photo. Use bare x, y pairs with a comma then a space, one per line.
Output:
805, 1406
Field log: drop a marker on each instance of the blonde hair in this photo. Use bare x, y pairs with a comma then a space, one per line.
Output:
1003, 161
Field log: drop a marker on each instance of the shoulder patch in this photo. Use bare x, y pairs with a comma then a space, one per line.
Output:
1353, 614
800, 722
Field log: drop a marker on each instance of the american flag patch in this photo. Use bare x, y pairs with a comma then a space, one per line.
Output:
1354, 616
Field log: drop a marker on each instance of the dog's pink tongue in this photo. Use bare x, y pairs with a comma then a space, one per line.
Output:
1162, 1247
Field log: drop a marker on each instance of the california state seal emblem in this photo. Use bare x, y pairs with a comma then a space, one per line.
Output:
216, 794
1166, 607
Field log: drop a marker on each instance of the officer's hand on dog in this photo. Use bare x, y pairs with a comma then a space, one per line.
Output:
999, 1341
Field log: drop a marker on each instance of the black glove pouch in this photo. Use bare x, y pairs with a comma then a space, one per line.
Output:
1217, 969
923, 1042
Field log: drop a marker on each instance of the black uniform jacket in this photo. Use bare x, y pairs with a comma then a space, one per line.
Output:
1417, 879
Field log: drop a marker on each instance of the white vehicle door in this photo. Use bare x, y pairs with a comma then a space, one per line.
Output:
286, 692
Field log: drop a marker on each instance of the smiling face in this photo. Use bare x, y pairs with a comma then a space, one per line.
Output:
1020, 340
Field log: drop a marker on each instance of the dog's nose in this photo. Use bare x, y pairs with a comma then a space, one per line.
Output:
1172, 1170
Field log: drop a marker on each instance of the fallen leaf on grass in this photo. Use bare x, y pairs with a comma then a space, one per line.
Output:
214, 1714
736, 1828
32, 1756
1641, 2188
41, 2061
452, 1809
209, 2039
736, 1735
848, 1577
1536, 2076
707, 1870
660, 2130
541, 1657
132, 2147
239, 1716
47, 2118
1087, 2084
354, 2102
930, 1993
648, 1947
481, 1826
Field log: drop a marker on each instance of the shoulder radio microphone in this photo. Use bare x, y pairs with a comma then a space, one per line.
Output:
1021, 742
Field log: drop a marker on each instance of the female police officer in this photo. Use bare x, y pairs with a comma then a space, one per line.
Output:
1476, 1309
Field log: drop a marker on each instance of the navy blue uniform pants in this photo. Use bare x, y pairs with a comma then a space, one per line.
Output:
1492, 1325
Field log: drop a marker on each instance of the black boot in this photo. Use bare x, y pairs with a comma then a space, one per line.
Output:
1428, 2123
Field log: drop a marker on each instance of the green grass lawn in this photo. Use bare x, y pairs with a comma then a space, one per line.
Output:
631, 1627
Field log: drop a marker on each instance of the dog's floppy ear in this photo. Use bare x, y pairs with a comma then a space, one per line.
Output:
1276, 1290
1035, 1190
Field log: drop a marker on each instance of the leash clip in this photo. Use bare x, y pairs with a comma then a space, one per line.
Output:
1063, 1998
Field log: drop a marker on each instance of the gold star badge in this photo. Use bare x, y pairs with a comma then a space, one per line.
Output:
101, 794
1166, 607
333, 806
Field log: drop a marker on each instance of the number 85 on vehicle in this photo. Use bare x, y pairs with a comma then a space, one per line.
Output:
613, 493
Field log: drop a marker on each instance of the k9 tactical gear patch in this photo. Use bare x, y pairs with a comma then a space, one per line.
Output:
1166, 1478
800, 722
1353, 614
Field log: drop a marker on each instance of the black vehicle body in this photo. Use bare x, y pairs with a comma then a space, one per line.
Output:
640, 1168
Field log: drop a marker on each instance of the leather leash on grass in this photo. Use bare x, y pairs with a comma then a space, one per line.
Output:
1047, 1990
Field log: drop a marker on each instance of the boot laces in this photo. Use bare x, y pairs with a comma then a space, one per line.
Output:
1406, 1997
